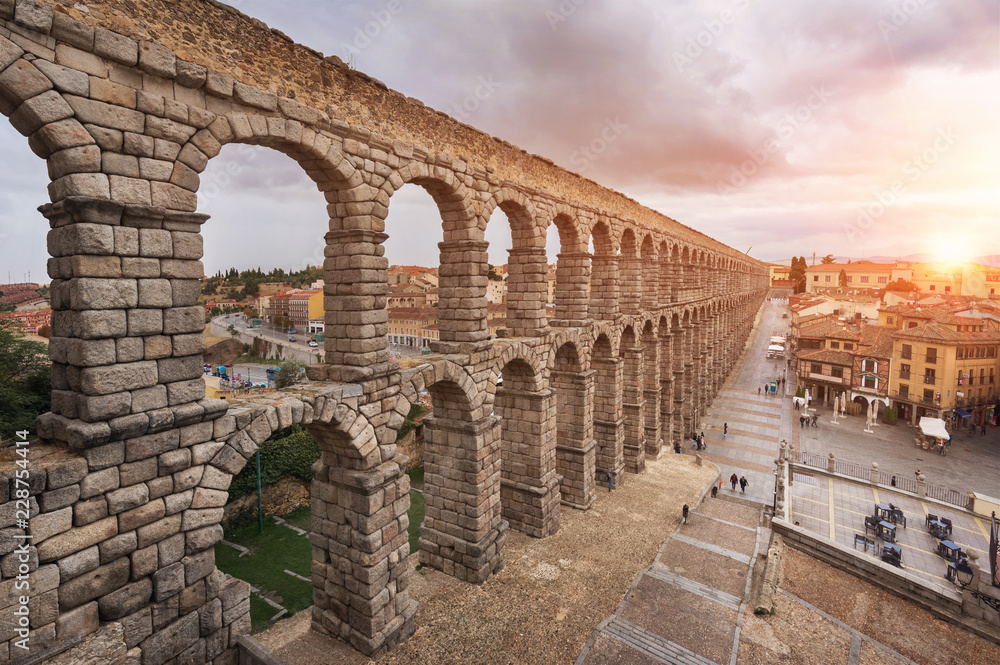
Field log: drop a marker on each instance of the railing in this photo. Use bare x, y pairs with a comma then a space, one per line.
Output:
903, 483
904, 376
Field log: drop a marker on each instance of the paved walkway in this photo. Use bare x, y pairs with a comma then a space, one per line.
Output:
836, 509
688, 606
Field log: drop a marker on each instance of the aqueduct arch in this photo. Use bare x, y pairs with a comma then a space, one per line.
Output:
125, 521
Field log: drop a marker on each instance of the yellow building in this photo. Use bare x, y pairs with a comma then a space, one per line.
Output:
859, 276
945, 362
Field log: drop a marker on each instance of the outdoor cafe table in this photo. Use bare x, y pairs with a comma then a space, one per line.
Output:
948, 550
938, 529
882, 511
887, 531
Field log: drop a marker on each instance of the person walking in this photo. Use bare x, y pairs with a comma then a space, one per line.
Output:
758, 392
733, 480
725, 429
743, 484
611, 480
802, 422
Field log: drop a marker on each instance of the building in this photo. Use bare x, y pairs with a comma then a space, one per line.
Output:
496, 292
859, 276
406, 295
31, 320
18, 293
780, 274
412, 326
304, 306
945, 361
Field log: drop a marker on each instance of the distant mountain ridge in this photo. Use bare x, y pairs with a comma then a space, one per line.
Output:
992, 260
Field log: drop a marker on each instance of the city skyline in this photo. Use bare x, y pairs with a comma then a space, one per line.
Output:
857, 129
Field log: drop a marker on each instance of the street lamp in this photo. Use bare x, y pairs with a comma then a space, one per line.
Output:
964, 573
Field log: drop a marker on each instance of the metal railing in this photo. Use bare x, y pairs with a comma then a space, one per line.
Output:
903, 483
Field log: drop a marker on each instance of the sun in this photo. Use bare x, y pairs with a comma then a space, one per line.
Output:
952, 249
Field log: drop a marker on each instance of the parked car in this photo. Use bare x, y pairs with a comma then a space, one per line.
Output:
313, 344
293, 332
291, 339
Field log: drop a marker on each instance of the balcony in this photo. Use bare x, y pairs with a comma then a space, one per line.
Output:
916, 399
929, 380
826, 377
904, 376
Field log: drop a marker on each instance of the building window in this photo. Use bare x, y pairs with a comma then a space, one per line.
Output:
907, 352
837, 372
947, 289
815, 278
864, 279
931, 288
883, 280
959, 353
850, 278
928, 395
827, 278
904, 372
816, 368
931, 355
848, 346
904, 390
890, 320
834, 345
870, 382
869, 365
930, 376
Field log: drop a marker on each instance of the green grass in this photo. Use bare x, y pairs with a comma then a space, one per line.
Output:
416, 515
416, 478
271, 553
251, 359
300, 517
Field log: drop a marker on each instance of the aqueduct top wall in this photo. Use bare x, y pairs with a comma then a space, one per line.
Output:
223, 39
127, 102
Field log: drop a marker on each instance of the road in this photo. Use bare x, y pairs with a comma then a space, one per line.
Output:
268, 332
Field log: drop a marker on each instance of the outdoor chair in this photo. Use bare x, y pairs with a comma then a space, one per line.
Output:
930, 518
947, 524
871, 523
898, 517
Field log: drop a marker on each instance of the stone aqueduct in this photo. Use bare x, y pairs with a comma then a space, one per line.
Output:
131, 470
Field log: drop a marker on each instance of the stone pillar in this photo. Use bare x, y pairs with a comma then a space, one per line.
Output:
575, 444
462, 295
666, 279
529, 486
609, 422
650, 283
651, 396
360, 571
572, 297
666, 392
604, 288
355, 289
527, 291
127, 329
463, 532
631, 275
633, 407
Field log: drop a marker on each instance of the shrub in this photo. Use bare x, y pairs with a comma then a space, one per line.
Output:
291, 452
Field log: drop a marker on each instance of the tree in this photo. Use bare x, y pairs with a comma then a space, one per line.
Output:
843, 277
493, 275
289, 373
828, 259
901, 286
249, 313
232, 331
798, 273
25, 380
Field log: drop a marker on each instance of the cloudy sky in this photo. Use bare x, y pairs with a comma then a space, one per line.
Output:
857, 127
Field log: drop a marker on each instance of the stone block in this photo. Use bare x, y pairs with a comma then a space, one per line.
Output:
94, 293
77, 623
144, 562
177, 269
94, 584
155, 292
90, 511
135, 268
43, 608
130, 190
51, 524
81, 159
107, 139
179, 369
139, 145
151, 445
130, 349
117, 547
60, 136
81, 238
178, 502
188, 478
149, 399
56, 499
93, 266
141, 516
130, 426
204, 538
180, 320
168, 581
66, 473
79, 563
160, 487
34, 15
155, 243
191, 75
73, 32
210, 617
65, 79
126, 601
199, 566
98, 323
132, 473
137, 626
170, 196
142, 322
102, 114
105, 456
105, 90
159, 530
171, 640
184, 392
115, 378
157, 346
164, 613
127, 498
99, 482
103, 407
157, 60
197, 519
22, 81
169, 130
39, 111
115, 47
190, 344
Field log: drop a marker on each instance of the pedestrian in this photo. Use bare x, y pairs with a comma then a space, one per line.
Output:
802, 422
694, 441
796, 402
758, 392
733, 479
743, 484
611, 480
984, 429
893, 481
815, 420
684, 514
725, 429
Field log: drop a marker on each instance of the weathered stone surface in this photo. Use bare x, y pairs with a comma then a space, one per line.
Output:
121, 545
151, 445
128, 600
66, 473
144, 321
168, 581
94, 584
158, 530
77, 623
99, 323
141, 516
22, 81
118, 377
172, 640
93, 293
115, 47
127, 498
98, 482
34, 15
51, 524
158, 60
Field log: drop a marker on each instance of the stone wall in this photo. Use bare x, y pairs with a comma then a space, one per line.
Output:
127, 103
